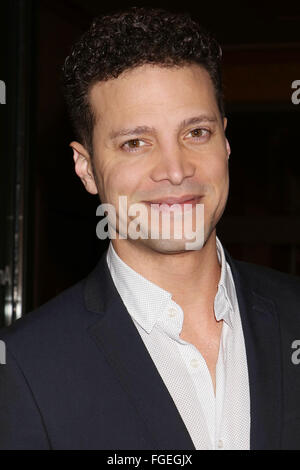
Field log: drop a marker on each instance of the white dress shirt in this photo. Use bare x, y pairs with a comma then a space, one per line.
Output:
218, 420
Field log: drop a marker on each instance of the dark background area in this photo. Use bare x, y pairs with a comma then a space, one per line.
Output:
47, 219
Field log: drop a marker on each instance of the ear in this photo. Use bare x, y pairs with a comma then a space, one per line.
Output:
228, 148
227, 143
83, 167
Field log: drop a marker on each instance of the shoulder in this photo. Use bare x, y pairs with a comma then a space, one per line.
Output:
268, 277
57, 320
281, 288
60, 324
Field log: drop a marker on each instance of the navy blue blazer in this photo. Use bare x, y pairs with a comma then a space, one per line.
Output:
78, 376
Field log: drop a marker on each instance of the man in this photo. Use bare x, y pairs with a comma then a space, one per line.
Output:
160, 347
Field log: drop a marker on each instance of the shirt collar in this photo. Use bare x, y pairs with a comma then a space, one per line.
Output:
223, 304
146, 301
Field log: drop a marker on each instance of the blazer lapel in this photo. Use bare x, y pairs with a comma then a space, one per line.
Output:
262, 341
118, 339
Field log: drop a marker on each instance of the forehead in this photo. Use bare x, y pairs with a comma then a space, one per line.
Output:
151, 89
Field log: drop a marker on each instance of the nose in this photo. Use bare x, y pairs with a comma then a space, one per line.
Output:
173, 165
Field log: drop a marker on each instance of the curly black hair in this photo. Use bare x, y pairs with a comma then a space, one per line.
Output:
126, 39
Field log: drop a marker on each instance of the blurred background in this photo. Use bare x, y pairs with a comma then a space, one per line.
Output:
47, 219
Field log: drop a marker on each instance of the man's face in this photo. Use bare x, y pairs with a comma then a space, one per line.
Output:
159, 134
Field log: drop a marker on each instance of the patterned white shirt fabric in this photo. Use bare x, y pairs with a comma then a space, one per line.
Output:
215, 421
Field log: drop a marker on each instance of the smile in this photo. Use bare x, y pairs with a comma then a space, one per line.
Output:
167, 203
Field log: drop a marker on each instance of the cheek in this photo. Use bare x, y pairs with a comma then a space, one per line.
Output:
121, 179
221, 181
221, 173
216, 168
215, 173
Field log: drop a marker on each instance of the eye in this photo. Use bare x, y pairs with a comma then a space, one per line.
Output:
132, 145
200, 133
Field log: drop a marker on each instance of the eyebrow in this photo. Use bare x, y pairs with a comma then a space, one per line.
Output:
151, 130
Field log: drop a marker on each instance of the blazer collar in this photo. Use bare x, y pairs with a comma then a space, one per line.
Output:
117, 338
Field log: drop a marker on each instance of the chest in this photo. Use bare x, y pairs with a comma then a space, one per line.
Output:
207, 341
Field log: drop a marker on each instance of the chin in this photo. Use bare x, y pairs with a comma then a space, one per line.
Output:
171, 246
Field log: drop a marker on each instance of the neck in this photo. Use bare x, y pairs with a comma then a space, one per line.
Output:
191, 277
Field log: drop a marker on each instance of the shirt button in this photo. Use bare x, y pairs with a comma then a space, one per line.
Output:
172, 312
220, 444
194, 362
